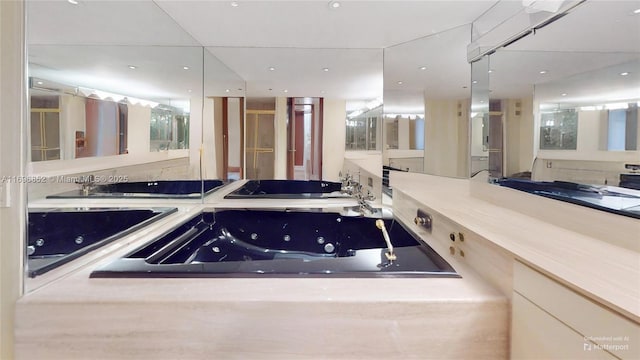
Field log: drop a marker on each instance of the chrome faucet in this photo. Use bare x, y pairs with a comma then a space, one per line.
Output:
87, 182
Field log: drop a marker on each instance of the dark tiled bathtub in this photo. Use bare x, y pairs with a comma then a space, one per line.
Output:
164, 189
278, 243
287, 189
57, 236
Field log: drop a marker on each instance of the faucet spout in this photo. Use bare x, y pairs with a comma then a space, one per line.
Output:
389, 254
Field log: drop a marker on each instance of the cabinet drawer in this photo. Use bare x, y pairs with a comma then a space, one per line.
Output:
595, 323
538, 335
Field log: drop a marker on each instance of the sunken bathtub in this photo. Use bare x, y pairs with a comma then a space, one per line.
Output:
281, 243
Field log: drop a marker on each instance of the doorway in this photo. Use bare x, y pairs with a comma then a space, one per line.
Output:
304, 139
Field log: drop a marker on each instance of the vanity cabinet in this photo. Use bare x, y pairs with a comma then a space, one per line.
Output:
551, 321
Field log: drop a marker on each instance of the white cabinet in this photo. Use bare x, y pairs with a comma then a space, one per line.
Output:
551, 321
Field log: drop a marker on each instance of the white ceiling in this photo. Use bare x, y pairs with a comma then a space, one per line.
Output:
358, 42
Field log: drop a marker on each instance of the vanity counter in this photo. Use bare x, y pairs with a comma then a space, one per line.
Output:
604, 270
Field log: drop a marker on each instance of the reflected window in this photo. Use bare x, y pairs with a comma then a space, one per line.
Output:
169, 129
363, 130
622, 129
559, 130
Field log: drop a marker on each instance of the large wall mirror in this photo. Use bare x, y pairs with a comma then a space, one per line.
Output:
562, 114
426, 104
130, 102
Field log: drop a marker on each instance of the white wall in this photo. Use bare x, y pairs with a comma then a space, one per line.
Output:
233, 113
280, 171
12, 160
333, 138
139, 129
446, 137
73, 118
518, 135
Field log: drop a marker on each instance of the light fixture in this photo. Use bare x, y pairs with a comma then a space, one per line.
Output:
564, 94
474, 82
185, 68
636, 11
39, 82
616, 106
285, 90
334, 4
490, 71
189, 90
73, 2
227, 90
400, 83
325, 69
423, 68
624, 73
543, 72
271, 68
132, 67
235, 4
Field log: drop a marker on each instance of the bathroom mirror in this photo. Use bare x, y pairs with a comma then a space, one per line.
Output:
118, 102
563, 105
426, 104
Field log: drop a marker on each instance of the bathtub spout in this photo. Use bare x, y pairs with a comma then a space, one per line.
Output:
389, 254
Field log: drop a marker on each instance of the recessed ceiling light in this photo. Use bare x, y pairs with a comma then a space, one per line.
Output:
423, 68
272, 68
482, 101
624, 73
285, 90
474, 82
325, 69
234, 4
189, 90
543, 72
636, 11
399, 82
490, 71
227, 90
334, 4
132, 67
564, 94
73, 2
39, 82
185, 68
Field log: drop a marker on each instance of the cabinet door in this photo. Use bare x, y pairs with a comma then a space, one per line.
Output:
537, 335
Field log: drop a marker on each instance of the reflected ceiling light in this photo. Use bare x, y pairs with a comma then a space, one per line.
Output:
73, 2
334, 4
423, 68
132, 67
636, 11
271, 68
325, 69
543, 72
39, 82
474, 82
285, 90
399, 82
624, 73
564, 94
185, 68
490, 71
227, 90
235, 4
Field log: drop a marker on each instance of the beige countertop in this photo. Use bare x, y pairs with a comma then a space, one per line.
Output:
605, 272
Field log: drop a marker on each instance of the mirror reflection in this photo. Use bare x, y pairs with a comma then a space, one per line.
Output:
563, 114
426, 104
